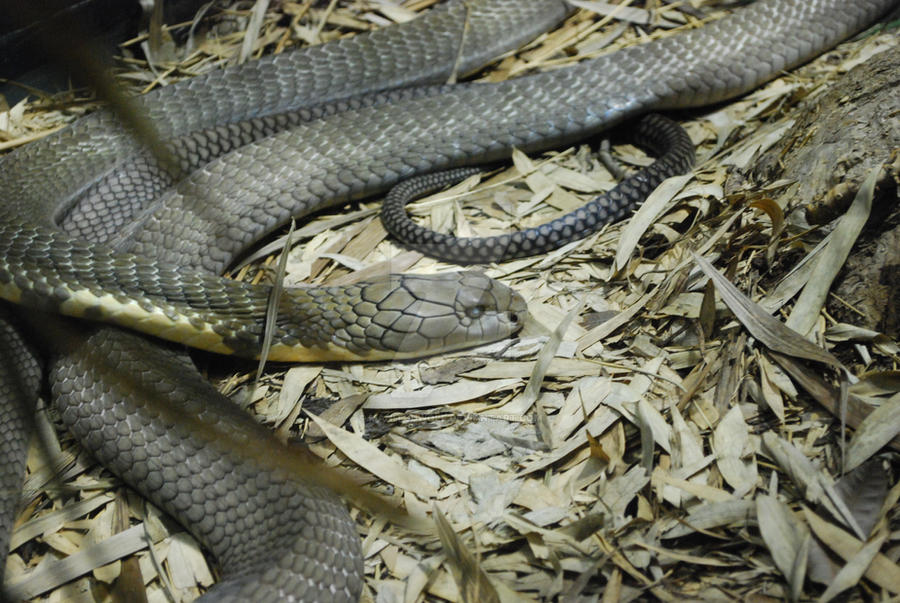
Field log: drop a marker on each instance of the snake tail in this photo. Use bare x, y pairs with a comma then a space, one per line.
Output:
657, 133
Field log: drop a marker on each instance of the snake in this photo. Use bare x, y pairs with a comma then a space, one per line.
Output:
277, 536
654, 132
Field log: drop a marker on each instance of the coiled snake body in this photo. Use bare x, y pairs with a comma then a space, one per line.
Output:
231, 506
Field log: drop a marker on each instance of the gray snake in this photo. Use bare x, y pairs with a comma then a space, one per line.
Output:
348, 155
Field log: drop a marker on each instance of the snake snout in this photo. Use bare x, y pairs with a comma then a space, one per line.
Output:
486, 310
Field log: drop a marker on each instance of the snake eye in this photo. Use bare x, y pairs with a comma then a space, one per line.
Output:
475, 311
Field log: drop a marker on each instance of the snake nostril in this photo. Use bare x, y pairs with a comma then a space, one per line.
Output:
513, 318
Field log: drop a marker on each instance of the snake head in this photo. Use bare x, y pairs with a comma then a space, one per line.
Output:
404, 315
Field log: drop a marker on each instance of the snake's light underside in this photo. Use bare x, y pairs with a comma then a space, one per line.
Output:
276, 536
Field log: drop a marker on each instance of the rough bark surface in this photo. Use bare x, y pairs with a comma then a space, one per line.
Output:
837, 138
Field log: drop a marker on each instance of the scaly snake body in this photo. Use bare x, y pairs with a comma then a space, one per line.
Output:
256, 188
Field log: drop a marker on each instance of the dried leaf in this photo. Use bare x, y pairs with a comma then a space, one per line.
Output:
818, 487
731, 441
437, 396
864, 489
646, 215
714, 515
708, 309
784, 536
373, 460
474, 584
882, 571
876, 430
828, 264
856, 567
773, 210
768, 330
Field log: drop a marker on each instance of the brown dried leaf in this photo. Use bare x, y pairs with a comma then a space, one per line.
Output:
875, 432
786, 539
773, 210
768, 330
882, 571
474, 584
806, 311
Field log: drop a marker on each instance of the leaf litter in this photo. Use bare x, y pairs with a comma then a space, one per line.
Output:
656, 431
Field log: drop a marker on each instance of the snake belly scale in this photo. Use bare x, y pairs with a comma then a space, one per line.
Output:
259, 186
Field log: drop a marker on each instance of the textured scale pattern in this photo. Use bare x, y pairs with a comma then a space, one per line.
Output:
106, 210
366, 151
243, 513
20, 384
388, 316
347, 155
658, 134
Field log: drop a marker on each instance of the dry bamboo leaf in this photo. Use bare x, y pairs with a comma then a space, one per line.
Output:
850, 575
558, 367
295, 381
186, 564
659, 429
586, 395
373, 460
754, 146
523, 162
613, 591
768, 330
394, 12
865, 490
251, 35
620, 492
773, 210
723, 123
784, 537
882, 571
637, 16
714, 515
474, 584
50, 575
770, 392
462, 391
817, 486
707, 313
691, 304
695, 489
687, 446
853, 409
877, 383
692, 559
575, 181
806, 311
731, 443
596, 425
47, 524
875, 432
602, 331
492, 495
523, 403
446, 464
645, 216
